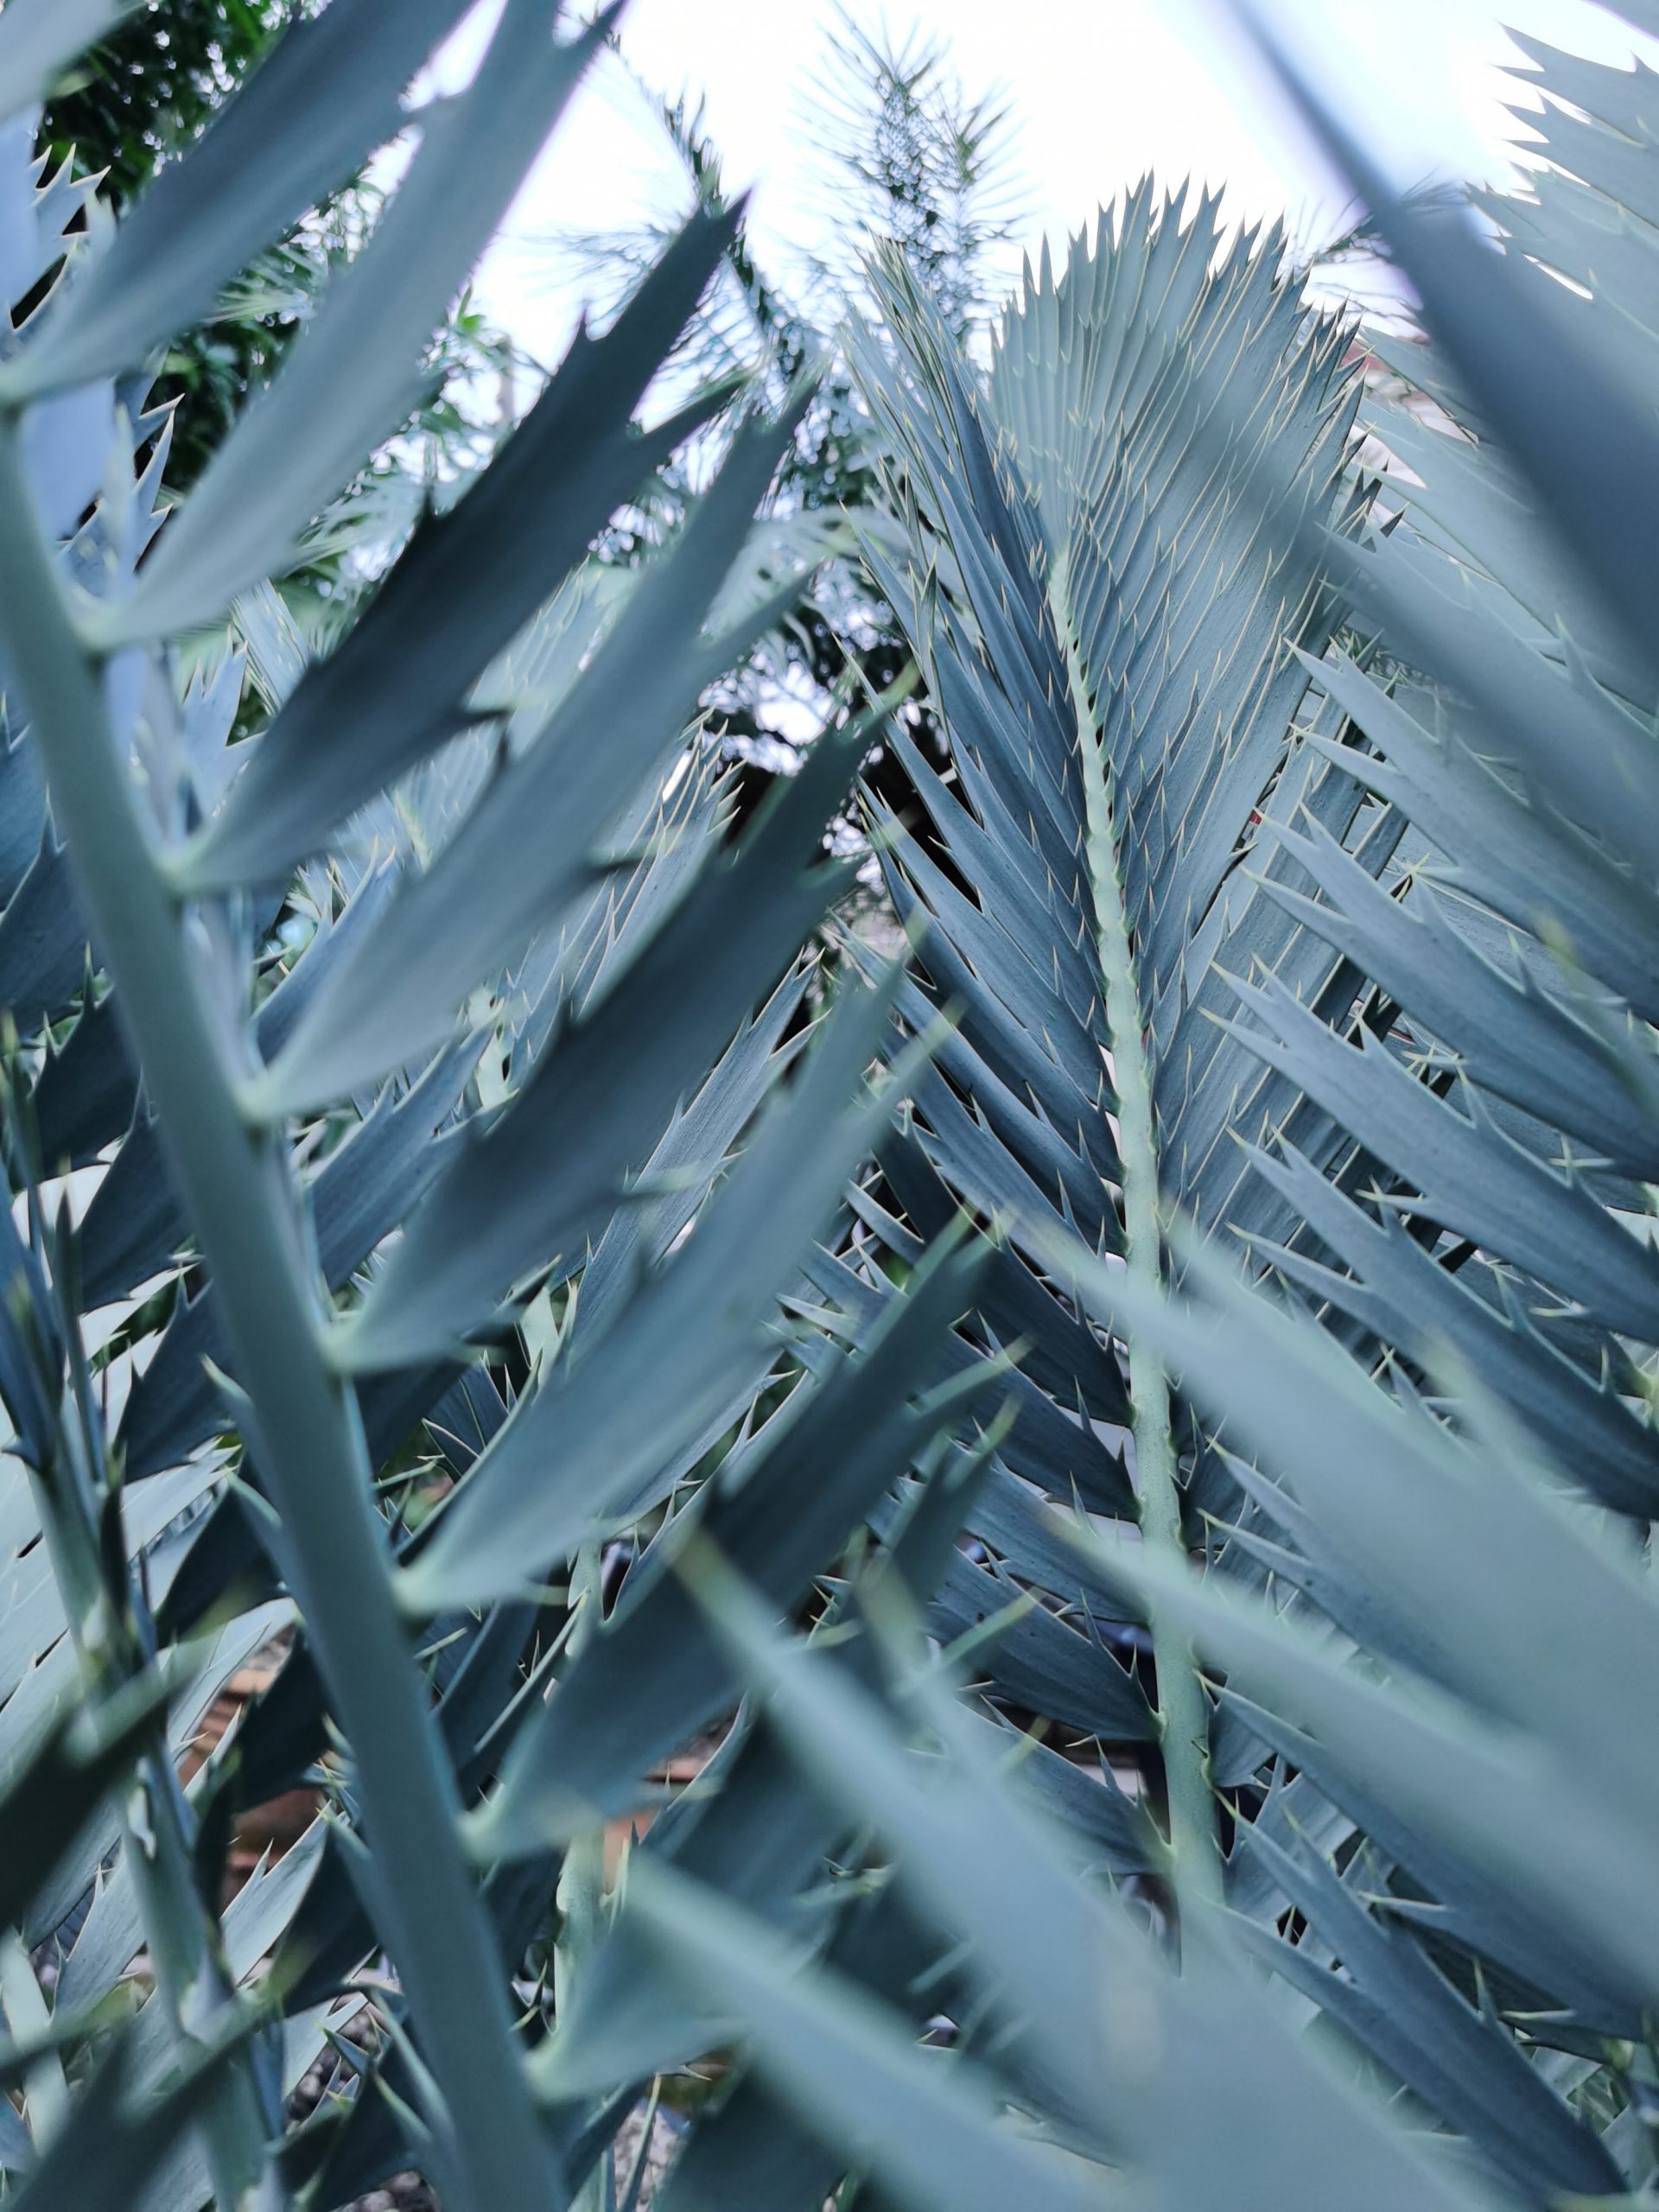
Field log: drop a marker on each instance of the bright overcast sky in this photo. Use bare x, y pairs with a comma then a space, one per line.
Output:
1100, 91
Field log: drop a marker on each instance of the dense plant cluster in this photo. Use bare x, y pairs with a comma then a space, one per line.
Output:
1014, 1577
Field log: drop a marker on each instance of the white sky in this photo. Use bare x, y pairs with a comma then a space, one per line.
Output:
1100, 90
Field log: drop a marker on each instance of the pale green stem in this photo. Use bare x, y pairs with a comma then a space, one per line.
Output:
308, 1440
1194, 1848
581, 1877
579, 1897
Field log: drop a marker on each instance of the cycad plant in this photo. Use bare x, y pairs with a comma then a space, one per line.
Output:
1294, 889
428, 1145
287, 1150
1111, 618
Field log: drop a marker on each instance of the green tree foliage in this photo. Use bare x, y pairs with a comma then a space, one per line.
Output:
904, 158
136, 101
152, 86
912, 162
